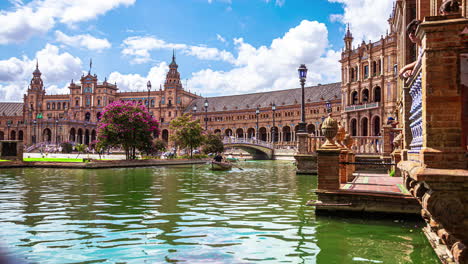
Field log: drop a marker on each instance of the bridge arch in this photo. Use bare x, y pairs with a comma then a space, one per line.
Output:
260, 150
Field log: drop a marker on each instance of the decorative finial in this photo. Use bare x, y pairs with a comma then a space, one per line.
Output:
90, 65
37, 64
173, 55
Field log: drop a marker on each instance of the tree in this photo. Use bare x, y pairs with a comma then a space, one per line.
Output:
187, 133
159, 145
127, 125
213, 144
80, 148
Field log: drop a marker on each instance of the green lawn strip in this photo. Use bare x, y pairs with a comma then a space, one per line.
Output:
4, 160
52, 160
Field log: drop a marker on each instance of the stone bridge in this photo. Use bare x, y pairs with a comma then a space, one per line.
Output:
260, 150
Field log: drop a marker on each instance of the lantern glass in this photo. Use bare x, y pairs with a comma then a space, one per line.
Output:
302, 71
273, 107
257, 111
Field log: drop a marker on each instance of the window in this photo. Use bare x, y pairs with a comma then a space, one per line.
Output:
152, 103
169, 114
53, 106
48, 106
366, 71
64, 105
88, 101
58, 106
77, 101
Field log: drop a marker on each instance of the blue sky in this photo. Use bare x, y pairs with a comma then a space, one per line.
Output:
222, 46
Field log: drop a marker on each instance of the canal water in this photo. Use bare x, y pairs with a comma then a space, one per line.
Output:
189, 214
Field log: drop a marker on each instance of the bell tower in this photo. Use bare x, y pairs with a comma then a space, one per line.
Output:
173, 76
35, 95
348, 39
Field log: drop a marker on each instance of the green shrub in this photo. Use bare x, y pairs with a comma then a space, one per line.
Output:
67, 147
392, 173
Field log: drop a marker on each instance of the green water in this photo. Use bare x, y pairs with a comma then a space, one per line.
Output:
189, 214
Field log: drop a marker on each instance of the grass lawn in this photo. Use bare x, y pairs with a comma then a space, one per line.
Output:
53, 159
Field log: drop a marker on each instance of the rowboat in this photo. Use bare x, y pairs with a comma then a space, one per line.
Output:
220, 166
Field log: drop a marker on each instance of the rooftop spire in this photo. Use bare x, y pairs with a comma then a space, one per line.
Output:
90, 65
173, 63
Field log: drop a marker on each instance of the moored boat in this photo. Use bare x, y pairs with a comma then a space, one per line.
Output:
220, 166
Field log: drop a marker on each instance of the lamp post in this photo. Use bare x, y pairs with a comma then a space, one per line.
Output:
8, 126
302, 78
35, 131
194, 109
273, 131
56, 136
148, 86
257, 112
206, 114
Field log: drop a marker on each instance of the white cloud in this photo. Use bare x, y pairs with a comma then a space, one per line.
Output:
39, 16
57, 70
136, 82
139, 49
275, 67
367, 18
83, 41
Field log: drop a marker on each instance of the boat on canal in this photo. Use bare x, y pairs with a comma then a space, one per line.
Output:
220, 166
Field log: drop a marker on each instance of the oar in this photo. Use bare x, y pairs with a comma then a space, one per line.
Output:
238, 167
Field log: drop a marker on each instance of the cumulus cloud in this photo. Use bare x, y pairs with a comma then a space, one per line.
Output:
39, 16
137, 82
367, 18
82, 41
57, 70
274, 67
139, 49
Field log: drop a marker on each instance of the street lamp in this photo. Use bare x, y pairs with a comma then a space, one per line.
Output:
8, 126
206, 114
56, 136
257, 112
328, 105
148, 86
194, 109
273, 132
302, 78
35, 131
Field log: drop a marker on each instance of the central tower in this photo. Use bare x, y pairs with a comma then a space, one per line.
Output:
173, 76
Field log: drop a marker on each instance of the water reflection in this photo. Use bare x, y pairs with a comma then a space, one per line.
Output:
188, 214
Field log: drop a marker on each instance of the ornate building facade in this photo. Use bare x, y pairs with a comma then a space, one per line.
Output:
368, 84
74, 116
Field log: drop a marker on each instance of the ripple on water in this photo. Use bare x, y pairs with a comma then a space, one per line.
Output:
188, 215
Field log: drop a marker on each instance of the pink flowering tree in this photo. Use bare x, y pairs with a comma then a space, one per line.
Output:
127, 125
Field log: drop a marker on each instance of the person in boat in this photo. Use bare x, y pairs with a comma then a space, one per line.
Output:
218, 158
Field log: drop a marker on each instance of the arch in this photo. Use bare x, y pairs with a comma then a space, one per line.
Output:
311, 129
353, 127
377, 94
72, 134
47, 135
20, 135
93, 135
165, 135
364, 127
217, 131
80, 136
13, 135
365, 96
2, 135
251, 133
354, 98
262, 134
64, 105
228, 132
53, 106
58, 106
98, 116
240, 133
86, 137
376, 125
274, 136
287, 135
87, 116
152, 102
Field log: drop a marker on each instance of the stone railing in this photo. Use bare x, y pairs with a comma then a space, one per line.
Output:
361, 107
314, 142
35, 146
415, 116
250, 141
367, 145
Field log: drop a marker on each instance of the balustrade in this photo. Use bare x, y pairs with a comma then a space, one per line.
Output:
415, 116
367, 145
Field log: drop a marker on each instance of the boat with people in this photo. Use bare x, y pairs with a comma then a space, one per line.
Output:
220, 166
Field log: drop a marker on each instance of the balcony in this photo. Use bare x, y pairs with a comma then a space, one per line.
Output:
360, 107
